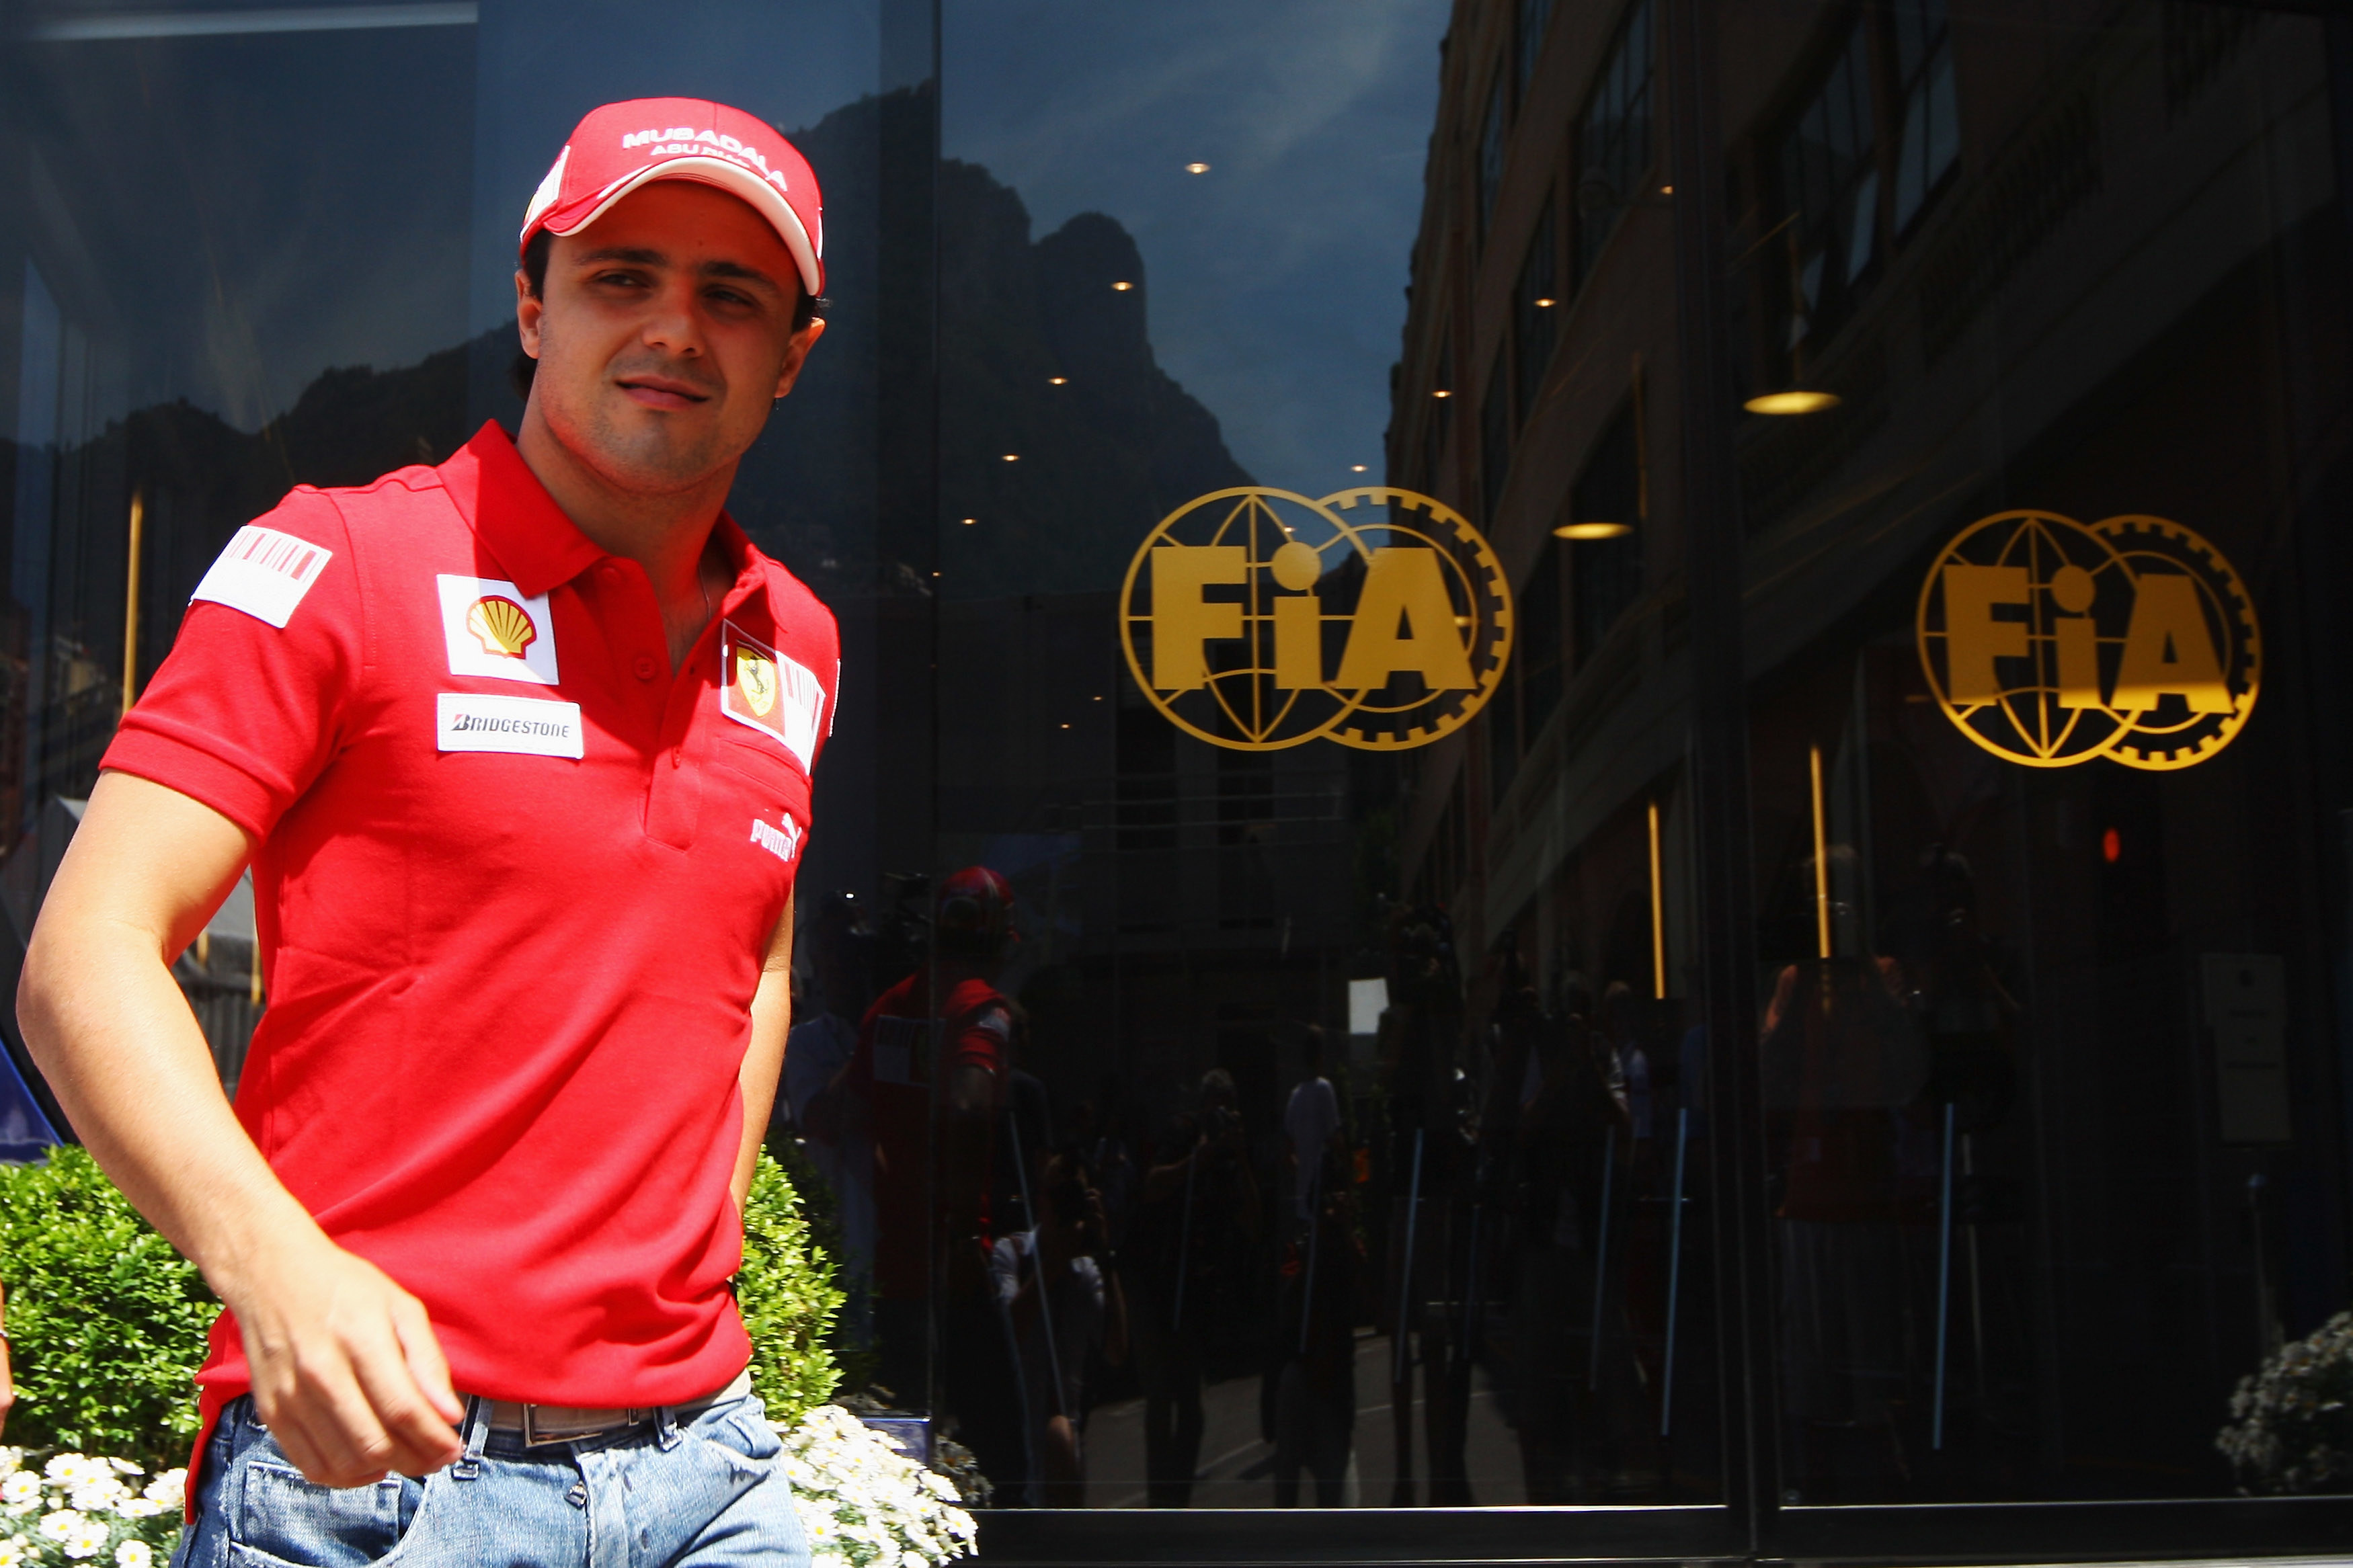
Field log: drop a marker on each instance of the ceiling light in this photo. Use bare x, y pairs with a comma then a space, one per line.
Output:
1197, 168
1355, 468
1123, 285
1792, 403
1666, 190
1066, 726
1546, 304
1441, 392
1057, 380
1594, 529
1012, 457
970, 521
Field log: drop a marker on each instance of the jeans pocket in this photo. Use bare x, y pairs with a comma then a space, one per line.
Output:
740, 1426
282, 1517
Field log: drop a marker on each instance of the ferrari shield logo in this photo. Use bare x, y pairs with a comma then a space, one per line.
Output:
755, 676
770, 691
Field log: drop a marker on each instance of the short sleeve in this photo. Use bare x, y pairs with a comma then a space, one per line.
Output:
984, 1038
247, 708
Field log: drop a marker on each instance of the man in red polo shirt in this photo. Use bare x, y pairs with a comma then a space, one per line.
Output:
519, 748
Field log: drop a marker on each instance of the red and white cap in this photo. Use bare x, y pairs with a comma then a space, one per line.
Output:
622, 146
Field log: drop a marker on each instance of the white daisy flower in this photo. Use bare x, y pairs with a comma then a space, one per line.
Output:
87, 1540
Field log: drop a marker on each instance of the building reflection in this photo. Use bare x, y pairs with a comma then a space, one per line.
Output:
1984, 1204
1210, 1127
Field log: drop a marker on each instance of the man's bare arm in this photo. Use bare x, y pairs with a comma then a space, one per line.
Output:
346, 1372
764, 1058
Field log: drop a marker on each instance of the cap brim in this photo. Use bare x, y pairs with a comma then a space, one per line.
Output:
763, 198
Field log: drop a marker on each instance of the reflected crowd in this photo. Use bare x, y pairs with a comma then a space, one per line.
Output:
1450, 1262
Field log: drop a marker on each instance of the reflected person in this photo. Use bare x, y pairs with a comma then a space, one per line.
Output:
1433, 1120
933, 1164
1067, 1309
1196, 1215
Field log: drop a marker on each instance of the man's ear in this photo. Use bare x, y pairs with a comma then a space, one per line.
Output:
528, 309
796, 354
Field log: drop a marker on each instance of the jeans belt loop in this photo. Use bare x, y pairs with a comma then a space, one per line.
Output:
478, 1437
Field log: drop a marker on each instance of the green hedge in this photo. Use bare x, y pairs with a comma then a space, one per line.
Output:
107, 1321
788, 1297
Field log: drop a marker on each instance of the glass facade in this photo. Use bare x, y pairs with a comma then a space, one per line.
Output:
1659, 684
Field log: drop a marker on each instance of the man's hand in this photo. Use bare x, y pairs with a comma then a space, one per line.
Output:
346, 1372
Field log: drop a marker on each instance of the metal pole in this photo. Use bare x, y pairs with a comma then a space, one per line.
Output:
1405, 1286
1976, 1280
1943, 1280
1674, 1274
130, 606
1601, 1258
1037, 1260
1822, 857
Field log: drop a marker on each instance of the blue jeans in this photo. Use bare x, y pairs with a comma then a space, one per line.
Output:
701, 1493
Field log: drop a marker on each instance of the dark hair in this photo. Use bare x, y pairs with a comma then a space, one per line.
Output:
807, 309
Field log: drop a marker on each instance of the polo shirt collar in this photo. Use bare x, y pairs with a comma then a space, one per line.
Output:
511, 513
737, 545
529, 535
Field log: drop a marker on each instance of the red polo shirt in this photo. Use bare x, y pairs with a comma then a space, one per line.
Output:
515, 883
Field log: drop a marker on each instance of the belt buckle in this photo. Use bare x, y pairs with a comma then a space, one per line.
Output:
531, 1437
534, 1438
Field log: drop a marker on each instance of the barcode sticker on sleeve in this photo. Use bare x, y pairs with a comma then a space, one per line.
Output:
265, 574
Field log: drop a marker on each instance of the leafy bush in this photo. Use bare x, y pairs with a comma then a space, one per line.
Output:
106, 1322
786, 1293
2293, 1419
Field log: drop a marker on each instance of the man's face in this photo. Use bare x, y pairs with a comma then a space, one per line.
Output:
664, 335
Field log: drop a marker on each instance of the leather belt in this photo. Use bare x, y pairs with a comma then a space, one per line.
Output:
540, 1425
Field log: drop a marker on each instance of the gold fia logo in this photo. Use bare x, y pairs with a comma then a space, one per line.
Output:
1259, 620
2050, 642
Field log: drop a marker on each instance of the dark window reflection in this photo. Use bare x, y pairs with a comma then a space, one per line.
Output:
1613, 142
2029, 1223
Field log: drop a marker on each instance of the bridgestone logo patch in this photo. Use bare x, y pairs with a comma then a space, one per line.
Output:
470, 722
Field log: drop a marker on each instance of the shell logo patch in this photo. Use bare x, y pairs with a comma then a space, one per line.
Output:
502, 625
771, 692
490, 628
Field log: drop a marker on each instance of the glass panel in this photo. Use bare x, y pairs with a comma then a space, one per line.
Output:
1301, 1189
234, 260
2048, 1044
